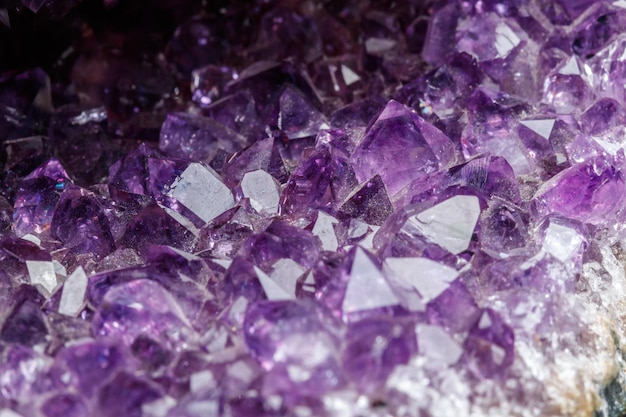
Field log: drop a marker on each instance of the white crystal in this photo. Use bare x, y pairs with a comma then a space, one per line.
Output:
202, 381
349, 76
357, 229
541, 127
368, 242
42, 274
367, 288
324, 229
73, 296
449, 224
428, 277
506, 40
203, 408
6, 412
285, 273
32, 238
485, 321
59, 269
273, 290
224, 263
562, 242
570, 67
378, 45
437, 345
262, 190
242, 371
158, 408
202, 192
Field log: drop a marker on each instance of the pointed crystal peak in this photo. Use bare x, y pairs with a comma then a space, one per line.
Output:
428, 277
367, 289
273, 290
450, 224
297, 117
202, 192
324, 229
73, 295
262, 190
542, 127
369, 202
401, 147
43, 276
485, 321
437, 345
51, 169
571, 67
506, 40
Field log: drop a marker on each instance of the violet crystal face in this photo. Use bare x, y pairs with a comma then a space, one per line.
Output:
351, 208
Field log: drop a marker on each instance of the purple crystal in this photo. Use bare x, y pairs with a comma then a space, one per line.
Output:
196, 138
81, 224
588, 192
37, 197
368, 202
125, 394
276, 334
415, 147
297, 209
375, 347
491, 344
141, 307
64, 405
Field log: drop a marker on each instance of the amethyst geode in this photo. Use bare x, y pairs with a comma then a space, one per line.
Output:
347, 208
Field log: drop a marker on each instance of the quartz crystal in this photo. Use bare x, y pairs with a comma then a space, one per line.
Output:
297, 208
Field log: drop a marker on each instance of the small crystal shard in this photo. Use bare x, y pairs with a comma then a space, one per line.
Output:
73, 295
437, 345
428, 277
262, 190
368, 288
450, 224
202, 192
42, 275
324, 229
274, 290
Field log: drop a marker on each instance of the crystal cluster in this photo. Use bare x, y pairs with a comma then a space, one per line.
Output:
313, 208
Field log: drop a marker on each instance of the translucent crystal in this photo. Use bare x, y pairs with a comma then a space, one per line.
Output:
73, 295
202, 192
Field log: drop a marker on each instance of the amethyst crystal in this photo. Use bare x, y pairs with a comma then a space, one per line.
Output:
296, 208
